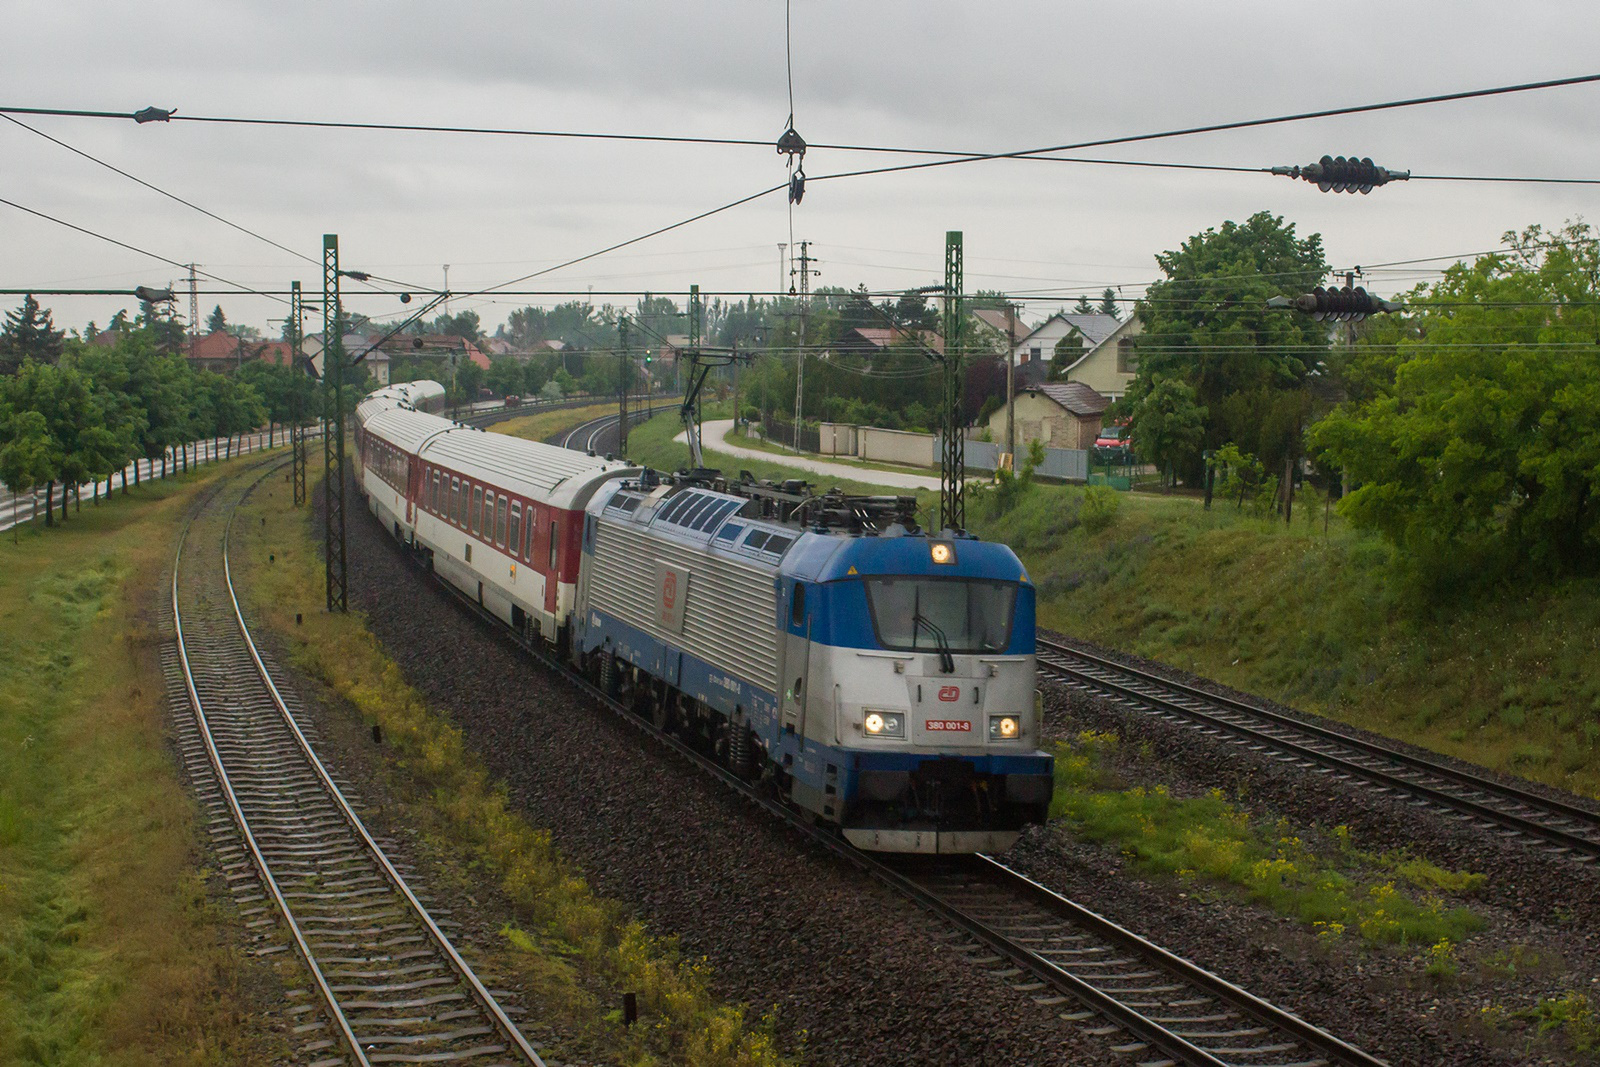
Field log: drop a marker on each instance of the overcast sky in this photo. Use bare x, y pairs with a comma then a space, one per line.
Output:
995, 76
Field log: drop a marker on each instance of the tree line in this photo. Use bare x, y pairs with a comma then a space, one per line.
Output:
1467, 427
74, 412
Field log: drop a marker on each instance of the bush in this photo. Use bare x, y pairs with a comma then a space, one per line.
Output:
1099, 510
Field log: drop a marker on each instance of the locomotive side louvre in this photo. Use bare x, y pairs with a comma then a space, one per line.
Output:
728, 607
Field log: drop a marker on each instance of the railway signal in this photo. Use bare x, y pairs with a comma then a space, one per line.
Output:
1345, 174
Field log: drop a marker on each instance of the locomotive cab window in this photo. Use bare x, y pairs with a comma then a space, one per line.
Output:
797, 605
941, 614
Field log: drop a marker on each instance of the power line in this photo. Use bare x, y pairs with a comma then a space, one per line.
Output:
630, 241
161, 191
244, 289
948, 156
1226, 126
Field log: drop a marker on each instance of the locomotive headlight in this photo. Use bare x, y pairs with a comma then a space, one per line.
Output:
942, 552
1004, 727
884, 724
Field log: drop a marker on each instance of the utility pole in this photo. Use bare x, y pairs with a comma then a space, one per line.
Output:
1011, 383
622, 385
953, 461
297, 429
800, 364
694, 343
333, 427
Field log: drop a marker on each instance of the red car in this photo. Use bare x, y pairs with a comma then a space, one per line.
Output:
1113, 445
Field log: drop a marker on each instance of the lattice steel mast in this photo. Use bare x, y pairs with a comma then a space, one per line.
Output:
333, 427
953, 457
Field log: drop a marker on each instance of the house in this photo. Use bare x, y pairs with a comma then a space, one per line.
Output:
1056, 414
216, 351
362, 350
870, 340
995, 329
279, 352
1109, 360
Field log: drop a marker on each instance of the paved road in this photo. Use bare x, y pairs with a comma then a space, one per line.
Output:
718, 429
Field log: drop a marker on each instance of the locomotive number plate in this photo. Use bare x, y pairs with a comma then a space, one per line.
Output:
957, 725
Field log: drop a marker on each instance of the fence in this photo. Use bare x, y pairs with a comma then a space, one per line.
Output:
781, 432
878, 445
1060, 464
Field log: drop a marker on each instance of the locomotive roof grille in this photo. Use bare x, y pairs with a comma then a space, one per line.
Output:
792, 503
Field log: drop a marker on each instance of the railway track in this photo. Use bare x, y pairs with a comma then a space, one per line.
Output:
391, 986
1148, 1001
1140, 997
1554, 826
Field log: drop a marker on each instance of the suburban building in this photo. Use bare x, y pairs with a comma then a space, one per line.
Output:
1056, 414
1107, 364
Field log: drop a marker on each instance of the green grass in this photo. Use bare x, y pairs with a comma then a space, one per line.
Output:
546, 424
576, 952
1571, 1016
1318, 620
1320, 879
109, 951
652, 444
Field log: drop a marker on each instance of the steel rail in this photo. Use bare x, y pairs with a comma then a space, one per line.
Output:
1587, 847
226, 785
485, 1000
1263, 1011
441, 942
1124, 1015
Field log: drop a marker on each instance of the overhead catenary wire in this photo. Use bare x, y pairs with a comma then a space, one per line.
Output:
243, 290
948, 157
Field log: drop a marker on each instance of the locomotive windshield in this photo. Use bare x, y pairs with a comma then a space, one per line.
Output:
941, 615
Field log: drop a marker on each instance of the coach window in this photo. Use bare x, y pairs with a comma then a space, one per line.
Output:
475, 516
455, 499
552, 547
436, 493
515, 540
527, 533
500, 523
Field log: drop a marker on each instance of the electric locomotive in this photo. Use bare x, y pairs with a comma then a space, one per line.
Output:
882, 679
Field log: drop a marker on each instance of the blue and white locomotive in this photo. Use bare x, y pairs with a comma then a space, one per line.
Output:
884, 678
880, 678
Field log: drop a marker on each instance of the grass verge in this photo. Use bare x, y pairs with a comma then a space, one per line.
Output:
547, 424
109, 951
652, 444
575, 951
1322, 880
1317, 619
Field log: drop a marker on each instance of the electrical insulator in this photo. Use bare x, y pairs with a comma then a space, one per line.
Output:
1340, 305
1341, 174
791, 143
154, 296
154, 114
